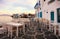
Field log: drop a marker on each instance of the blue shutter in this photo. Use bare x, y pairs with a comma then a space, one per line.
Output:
41, 14
52, 16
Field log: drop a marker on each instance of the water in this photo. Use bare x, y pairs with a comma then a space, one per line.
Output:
5, 19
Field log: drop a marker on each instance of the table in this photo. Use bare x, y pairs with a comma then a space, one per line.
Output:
12, 24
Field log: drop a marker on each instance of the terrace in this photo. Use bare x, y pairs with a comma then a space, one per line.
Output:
34, 29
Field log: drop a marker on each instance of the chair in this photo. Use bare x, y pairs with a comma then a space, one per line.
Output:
39, 37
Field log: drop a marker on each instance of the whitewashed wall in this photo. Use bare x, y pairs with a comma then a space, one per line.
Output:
45, 7
48, 8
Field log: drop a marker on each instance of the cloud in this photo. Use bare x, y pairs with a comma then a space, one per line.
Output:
29, 4
12, 6
23, 5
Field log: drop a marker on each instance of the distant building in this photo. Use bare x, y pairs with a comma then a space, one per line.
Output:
15, 16
50, 10
23, 15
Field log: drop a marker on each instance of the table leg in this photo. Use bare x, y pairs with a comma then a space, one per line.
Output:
11, 32
17, 32
24, 29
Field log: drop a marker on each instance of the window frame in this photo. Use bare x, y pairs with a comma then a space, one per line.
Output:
58, 17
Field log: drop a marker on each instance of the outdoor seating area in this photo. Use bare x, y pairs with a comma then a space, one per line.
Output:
34, 29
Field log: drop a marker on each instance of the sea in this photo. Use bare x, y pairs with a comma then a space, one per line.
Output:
4, 19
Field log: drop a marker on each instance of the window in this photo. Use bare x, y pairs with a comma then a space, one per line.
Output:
58, 15
51, 1
52, 16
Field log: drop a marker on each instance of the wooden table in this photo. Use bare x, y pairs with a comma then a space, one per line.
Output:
12, 24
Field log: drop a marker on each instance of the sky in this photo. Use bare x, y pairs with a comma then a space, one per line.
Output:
17, 6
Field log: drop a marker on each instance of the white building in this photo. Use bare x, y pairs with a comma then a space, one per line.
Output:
50, 10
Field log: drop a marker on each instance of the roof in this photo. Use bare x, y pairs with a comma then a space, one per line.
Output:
37, 5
